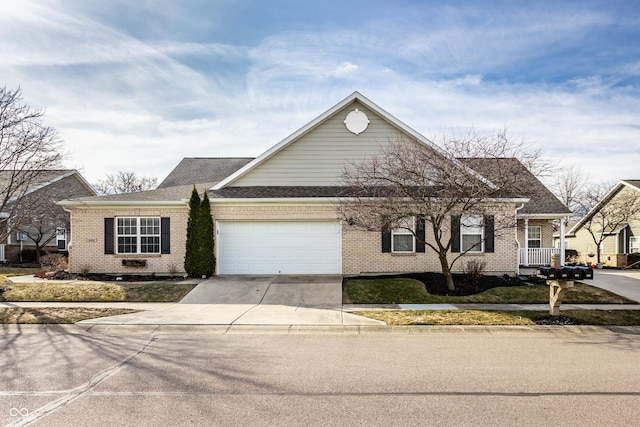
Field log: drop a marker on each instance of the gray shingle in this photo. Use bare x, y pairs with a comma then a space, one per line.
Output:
195, 170
542, 201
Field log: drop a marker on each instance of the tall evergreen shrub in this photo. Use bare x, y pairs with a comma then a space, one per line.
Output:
191, 250
199, 256
205, 222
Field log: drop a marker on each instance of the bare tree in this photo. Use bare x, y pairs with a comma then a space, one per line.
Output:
608, 211
125, 182
28, 149
42, 217
442, 188
569, 186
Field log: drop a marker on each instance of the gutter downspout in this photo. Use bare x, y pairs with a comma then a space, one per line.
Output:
69, 234
517, 241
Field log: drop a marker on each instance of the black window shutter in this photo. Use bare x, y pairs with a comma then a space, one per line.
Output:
386, 237
420, 234
165, 235
386, 240
109, 236
455, 233
488, 233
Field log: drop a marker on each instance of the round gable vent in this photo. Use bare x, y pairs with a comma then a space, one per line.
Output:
356, 121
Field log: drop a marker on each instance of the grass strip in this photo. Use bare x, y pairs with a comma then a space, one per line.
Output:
497, 318
56, 315
411, 291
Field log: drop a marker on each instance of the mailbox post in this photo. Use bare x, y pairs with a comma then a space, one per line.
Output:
557, 288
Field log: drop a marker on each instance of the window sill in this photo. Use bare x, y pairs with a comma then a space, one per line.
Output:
125, 256
403, 253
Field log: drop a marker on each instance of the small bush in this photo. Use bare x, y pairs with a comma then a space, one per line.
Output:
474, 269
54, 262
571, 256
632, 258
29, 255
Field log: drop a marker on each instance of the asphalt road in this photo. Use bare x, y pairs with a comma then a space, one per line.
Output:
446, 376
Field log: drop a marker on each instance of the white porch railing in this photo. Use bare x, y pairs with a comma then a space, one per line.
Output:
537, 256
2, 258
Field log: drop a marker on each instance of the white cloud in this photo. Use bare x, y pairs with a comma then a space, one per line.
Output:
121, 102
345, 69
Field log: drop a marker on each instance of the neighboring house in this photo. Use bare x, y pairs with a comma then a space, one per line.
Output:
278, 213
35, 217
618, 217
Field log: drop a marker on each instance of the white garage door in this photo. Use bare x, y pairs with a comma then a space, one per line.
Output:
279, 247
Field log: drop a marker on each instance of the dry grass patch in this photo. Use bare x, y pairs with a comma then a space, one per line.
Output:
446, 317
56, 315
494, 318
95, 292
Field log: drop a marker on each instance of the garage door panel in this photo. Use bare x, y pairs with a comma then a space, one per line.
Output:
279, 247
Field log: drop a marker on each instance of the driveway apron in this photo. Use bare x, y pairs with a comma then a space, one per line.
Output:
252, 300
622, 282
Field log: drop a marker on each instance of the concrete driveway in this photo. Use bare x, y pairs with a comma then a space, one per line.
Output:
622, 282
252, 300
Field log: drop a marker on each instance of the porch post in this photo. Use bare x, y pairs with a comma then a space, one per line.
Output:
562, 247
526, 242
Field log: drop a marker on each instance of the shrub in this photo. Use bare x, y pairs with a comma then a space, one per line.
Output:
633, 258
474, 269
29, 255
54, 262
571, 256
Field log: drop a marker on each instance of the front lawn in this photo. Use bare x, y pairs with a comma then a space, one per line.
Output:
413, 291
95, 292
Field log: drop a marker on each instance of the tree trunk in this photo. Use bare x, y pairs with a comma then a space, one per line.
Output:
446, 271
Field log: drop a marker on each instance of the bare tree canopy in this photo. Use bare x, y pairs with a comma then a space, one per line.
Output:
608, 212
569, 186
458, 183
28, 149
125, 182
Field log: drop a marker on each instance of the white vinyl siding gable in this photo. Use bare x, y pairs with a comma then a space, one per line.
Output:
318, 157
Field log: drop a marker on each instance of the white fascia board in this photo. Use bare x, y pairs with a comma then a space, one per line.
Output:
119, 203
319, 201
85, 182
321, 118
544, 216
285, 142
633, 187
616, 188
44, 184
325, 200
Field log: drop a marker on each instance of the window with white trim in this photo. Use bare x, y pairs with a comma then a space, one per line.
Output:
402, 236
138, 235
534, 240
634, 244
471, 233
61, 238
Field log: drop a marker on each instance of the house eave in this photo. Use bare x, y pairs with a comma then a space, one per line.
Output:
326, 201
119, 203
543, 215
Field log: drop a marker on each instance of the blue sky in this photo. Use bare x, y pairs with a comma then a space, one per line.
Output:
139, 85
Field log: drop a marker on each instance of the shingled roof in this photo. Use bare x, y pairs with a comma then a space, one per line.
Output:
541, 200
195, 170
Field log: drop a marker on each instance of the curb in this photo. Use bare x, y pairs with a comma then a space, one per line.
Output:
558, 330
